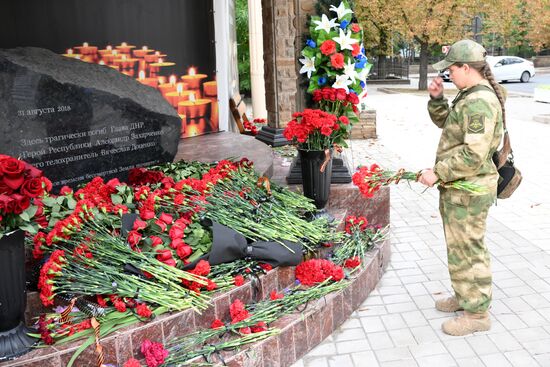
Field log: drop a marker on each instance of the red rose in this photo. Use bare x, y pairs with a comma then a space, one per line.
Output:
161, 224
146, 214
134, 238
176, 232
166, 218
356, 49
20, 203
47, 184
32, 188
163, 255
176, 243
337, 61
341, 94
65, 190
12, 169
5, 189
355, 28
184, 251
344, 120
139, 224
6, 204
156, 241
328, 47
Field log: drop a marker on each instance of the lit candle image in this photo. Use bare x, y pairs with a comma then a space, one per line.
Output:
107, 51
165, 88
125, 62
86, 49
124, 48
183, 123
152, 82
193, 107
179, 95
142, 52
155, 66
70, 53
210, 88
153, 57
193, 79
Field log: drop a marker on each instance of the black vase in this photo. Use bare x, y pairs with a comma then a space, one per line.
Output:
14, 340
315, 181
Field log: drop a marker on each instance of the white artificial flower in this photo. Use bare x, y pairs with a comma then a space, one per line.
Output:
325, 24
363, 74
345, 41
308, 65
342, 81
341, 10
349, 70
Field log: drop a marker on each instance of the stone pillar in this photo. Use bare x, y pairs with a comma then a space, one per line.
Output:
256, 58
279, 34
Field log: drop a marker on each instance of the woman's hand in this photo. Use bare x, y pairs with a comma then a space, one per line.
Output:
436, 88
428, 177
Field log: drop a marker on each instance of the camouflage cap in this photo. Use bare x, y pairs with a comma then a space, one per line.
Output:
464, 51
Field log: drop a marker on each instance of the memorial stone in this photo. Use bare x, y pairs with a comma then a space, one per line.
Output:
76, 120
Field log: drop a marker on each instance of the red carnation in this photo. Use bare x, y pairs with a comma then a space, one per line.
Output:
238, 312
143, 311
65, 190
217, 323
266, 266
344, 120
132, 362
154, 353
120, 306
328, 47
355, 28
352, 262
356, 49
259, 327
275, 296
337, 61
238, 280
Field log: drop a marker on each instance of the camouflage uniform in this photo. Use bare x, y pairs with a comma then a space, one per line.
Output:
472, 131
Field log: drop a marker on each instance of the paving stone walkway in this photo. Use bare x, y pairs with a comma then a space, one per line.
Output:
398, 325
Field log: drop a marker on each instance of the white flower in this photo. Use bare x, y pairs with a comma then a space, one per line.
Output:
349, 70
308, 65
345, 40
342, 81
341, 10
363, 74
325, 24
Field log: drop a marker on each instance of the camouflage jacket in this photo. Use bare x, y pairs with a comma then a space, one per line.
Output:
472, 132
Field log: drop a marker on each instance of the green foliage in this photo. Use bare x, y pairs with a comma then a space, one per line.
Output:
243, 50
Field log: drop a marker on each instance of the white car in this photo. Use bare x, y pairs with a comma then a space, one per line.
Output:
506, 68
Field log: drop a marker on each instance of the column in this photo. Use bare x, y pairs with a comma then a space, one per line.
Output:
256, 58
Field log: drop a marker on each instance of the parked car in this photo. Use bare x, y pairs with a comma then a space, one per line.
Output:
505, 68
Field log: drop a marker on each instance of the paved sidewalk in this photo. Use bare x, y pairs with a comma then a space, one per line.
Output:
398, 325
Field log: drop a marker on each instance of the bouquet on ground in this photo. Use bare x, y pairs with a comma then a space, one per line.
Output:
370, 179
21, 188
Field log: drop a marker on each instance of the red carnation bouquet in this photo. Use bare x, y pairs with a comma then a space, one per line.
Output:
21, 187
317, 130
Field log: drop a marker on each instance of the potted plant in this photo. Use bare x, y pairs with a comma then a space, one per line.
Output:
21, 187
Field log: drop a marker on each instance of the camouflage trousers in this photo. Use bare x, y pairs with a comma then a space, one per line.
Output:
464, 222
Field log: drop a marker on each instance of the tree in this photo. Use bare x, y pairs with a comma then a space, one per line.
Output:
243, 48
428, 23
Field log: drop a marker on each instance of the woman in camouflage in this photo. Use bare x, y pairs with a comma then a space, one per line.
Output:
472, 128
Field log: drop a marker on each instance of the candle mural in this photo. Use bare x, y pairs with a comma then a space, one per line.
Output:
176, 56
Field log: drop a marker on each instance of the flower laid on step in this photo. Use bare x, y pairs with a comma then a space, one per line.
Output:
21, 188
154, 353
317, 271
370, 179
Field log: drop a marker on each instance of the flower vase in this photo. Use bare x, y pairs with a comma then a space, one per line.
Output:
316, 175
14, 340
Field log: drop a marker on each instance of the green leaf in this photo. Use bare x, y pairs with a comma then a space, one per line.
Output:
49, 201
29, 228
60, 200
25, 216
116, 199
71, 203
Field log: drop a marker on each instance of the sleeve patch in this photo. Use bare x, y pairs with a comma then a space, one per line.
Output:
476, 124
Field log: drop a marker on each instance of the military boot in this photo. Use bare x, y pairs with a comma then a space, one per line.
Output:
449, 304
467, 324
